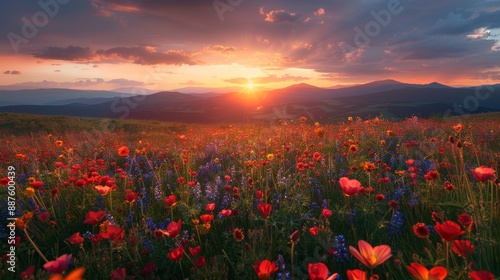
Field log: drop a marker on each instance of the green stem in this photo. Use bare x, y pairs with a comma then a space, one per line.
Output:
34, 246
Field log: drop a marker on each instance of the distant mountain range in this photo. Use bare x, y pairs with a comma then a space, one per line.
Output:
389, 98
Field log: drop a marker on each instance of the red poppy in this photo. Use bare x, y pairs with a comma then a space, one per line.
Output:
265, 209
194, 251
326, 213
225, 212
130, 196
431, 175
483, 173
171, 200
317, 271
265, 269
463, 248
314, 230
44, 216
210, 207
173, 229
75, 239
119, 274
481, 275
149, 268
28, 273
176, 254
93, 218
200, 262
206, 218
350, 187
36, 185
259, 194
114, 233
123, 151
448, 230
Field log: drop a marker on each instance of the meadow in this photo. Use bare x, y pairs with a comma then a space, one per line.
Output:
110, 199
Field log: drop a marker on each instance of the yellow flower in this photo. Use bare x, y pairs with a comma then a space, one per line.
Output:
29, 192
349, 119
270, 156
216, 160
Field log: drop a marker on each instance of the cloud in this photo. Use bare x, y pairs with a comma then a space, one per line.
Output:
145, 55
71, 53
266, 79
148, 55
281, 16
78, 84
13, 72
319, 12
219, 49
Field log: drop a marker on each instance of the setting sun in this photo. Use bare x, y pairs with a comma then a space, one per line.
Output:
250, 85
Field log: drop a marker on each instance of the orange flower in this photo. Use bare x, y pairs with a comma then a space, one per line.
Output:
265, 209
462, 248
448, 230
458, 127
356, 274
483, 173
58, 143
265, 269
350, 187
76, 274
353, 148
481, 275
371, 256
319, 271
103, 190
420, 272
123, 151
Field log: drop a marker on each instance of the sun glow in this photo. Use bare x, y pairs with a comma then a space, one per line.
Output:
250, 85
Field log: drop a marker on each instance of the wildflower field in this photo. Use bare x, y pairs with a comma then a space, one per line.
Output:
359, 199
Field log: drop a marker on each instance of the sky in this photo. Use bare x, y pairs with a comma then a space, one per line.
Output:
170, 44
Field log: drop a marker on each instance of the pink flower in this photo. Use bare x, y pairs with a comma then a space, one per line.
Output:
350, 187
59, 265
483, 173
